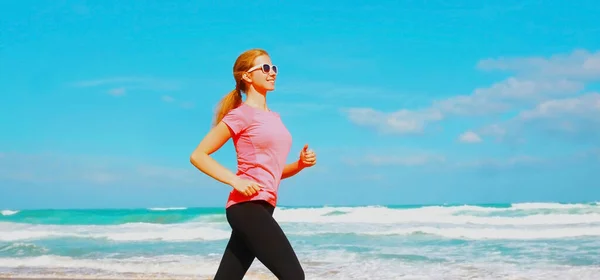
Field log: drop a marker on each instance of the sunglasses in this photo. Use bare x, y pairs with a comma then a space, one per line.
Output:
266, 68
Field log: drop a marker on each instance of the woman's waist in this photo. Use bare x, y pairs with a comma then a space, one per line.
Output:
262, 195
267, 180
261, 169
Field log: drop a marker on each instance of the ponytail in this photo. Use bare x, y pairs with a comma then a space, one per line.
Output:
233, 99
229, 102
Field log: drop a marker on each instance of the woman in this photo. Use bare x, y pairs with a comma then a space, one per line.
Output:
262, 143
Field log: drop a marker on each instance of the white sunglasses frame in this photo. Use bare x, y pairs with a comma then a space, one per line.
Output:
260, 66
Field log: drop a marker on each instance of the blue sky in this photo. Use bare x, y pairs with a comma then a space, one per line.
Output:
409, 102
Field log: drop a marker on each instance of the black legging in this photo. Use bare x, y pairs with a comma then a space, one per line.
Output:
256, 234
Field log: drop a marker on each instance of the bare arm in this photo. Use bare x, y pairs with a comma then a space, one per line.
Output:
291, 169
202, 160
307, 159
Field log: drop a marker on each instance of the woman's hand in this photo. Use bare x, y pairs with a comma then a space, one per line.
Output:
308, 158
245, 187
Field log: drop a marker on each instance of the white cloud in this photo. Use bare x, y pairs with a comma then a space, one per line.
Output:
499, 98
399, 122
505, 96
586, 107
577, 65
576, 117
537, 81
469, 137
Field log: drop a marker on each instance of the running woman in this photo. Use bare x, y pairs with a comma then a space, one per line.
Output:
262, 143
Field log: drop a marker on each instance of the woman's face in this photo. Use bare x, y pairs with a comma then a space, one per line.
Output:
263, 74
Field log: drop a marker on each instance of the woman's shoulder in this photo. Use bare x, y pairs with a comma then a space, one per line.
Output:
241, 113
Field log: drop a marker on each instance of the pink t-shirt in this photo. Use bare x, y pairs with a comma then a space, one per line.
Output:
262, 143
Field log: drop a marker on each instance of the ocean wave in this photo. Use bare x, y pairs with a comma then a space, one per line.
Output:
440, 215
8, 212
510, 214
468, 233
546, 205
10, 232
22, 249
109, 216
200, 232
167, 208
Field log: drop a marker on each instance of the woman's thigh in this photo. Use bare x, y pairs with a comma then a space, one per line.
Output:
265, 238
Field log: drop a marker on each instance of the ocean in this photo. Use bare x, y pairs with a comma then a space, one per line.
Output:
511, 241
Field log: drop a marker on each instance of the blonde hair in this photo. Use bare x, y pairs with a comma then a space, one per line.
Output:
233, 99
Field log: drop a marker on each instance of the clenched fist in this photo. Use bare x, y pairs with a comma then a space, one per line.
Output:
246, 187
308, 158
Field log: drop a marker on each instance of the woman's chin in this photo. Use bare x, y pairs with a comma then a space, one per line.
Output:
265, 87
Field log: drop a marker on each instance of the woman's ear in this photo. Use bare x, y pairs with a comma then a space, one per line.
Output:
246, 77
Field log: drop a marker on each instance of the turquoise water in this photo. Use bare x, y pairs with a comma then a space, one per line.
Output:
526, 240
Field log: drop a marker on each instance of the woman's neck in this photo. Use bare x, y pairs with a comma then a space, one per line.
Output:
257, 100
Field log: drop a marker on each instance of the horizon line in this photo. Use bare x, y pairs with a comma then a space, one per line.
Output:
407, 205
